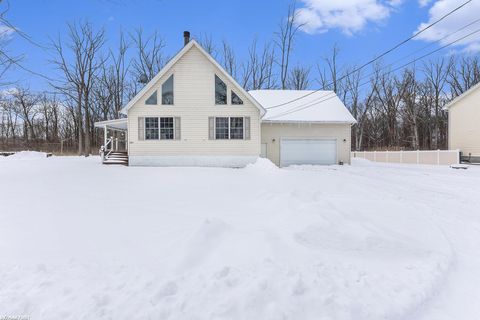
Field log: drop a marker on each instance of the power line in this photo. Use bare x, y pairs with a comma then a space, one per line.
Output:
381, 55
314, 103
15, 62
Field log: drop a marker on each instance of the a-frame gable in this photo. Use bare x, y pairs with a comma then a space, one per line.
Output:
170, 65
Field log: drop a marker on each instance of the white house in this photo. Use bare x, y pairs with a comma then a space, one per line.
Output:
464, 124
193, 113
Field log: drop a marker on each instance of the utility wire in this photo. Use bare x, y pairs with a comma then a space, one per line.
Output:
323, 99
18, 64
381, 55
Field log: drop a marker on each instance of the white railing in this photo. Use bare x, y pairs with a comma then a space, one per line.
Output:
431, 157
105, 148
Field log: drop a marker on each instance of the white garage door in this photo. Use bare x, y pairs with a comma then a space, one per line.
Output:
308, 151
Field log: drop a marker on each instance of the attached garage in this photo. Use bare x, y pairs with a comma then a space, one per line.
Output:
304, 127
314, 151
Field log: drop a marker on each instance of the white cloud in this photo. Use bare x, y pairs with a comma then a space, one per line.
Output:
6, 32
424, 3
350, 16
7, 92
452, 23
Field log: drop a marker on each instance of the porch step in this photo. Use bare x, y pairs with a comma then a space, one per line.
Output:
112, 161
117, 157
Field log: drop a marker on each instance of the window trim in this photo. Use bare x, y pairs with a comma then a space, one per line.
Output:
145, 128
215, 76
156, 99
159, 128
161, 90
232, 92
229, 128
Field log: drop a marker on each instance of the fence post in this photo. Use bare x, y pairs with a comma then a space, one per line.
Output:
418, 156
401, 156
375, 156
386, 153
438, 157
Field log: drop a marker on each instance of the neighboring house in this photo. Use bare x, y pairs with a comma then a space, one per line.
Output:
464, 123
193, 113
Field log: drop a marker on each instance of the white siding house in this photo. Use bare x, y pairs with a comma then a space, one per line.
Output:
464, 123
194, 114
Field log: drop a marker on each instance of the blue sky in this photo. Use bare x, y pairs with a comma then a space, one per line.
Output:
360, 28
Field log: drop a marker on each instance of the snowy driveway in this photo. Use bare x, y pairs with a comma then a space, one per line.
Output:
79, 240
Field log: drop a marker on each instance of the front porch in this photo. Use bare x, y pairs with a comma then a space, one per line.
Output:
115, 141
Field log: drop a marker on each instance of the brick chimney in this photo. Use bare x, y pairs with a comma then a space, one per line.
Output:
186, 37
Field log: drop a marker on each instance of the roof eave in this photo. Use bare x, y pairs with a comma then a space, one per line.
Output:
312, 121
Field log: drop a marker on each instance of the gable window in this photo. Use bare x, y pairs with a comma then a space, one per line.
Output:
236, 99
152, 99
151, 128
221, 128
236, 128
167, 91
167, 129
220, 91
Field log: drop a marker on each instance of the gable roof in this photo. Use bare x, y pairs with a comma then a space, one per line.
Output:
317, 106
175, 59
463, 95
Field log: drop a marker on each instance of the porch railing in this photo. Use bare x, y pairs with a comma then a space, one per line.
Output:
112, 145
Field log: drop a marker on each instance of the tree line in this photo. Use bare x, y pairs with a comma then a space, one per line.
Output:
394, 109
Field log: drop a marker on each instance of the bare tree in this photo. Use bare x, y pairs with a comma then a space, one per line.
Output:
229, 59
285, 38
257, 72
149, 57
436, 73
464, 74
331, 77
26, 108
207, 44
411, 108
298, 78
84, 45
6, 59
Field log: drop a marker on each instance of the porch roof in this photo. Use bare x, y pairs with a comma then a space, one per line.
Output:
119, 124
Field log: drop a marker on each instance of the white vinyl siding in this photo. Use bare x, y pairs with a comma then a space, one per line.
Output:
194, 90
464, 124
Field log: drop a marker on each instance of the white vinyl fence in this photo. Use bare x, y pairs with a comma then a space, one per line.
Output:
435, 157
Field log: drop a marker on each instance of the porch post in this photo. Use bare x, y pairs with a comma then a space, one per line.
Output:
105, 136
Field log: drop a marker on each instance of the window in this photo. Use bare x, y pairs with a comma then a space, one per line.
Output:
229, 128
236, 99
221, 128
220, 91
151, 128
152, 99
236, 128
167, 128
167, 91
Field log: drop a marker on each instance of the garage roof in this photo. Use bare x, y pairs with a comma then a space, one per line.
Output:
307, 106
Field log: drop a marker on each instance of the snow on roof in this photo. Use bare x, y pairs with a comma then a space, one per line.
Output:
311, 106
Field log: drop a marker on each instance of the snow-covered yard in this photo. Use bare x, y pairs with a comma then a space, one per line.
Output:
79, 240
